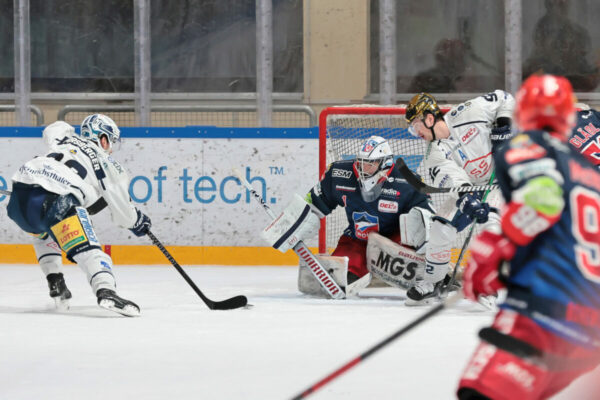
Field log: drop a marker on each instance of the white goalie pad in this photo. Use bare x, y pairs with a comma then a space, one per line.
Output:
393, 263
337, 267
296, 223
414, 228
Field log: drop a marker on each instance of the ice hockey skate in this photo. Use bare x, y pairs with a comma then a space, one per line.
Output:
109, 300
425, 293
59, 291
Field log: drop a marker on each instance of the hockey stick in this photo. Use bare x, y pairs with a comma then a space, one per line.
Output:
228, 304
5, 192
466, 243
422, 187
350, 364
319, 272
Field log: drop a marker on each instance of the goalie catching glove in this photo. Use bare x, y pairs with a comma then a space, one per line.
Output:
296, 223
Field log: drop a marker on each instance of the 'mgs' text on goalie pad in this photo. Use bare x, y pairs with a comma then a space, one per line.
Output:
393, 263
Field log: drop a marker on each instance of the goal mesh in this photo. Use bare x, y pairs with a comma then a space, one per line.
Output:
341, 132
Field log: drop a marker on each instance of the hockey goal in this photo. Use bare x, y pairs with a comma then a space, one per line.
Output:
341, 132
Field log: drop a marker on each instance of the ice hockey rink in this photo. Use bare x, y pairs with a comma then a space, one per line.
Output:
179, 349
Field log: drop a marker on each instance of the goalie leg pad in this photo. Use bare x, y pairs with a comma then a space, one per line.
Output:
393, 263
296, 223
48, 254
337, 267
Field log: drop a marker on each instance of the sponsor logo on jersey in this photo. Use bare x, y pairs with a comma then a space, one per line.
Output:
545, 166
390, 192
470, 134
364, 223
345, 188
526, 152
387, 206
341, 173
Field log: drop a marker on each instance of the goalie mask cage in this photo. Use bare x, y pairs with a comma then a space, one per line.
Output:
341, 132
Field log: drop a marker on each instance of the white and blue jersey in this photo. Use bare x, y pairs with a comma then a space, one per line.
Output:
555, 278
339, 187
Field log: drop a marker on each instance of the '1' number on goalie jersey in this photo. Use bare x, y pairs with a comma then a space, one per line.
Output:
585, 210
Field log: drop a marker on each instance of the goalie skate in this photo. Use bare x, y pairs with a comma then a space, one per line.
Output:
109, 300
59, 291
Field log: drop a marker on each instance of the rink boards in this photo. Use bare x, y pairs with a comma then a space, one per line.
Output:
183, 179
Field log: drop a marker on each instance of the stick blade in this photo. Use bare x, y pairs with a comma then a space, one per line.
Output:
230, 304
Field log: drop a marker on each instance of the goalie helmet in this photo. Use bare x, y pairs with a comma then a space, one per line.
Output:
373, 164
546, 102
95, 126
420, 105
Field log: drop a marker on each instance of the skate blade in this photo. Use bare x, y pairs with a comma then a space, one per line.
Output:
62, 304
424, 302
128, 310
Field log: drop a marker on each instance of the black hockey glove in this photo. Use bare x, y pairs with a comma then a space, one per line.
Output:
500, 135
470, 205
142, 225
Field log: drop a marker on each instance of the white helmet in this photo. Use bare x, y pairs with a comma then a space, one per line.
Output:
95, 126
372, 166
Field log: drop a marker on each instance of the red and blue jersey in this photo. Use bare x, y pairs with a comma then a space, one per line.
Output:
554, 278
339, 187
586, 135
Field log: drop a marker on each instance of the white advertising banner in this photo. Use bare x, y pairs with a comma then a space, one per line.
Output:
187, 187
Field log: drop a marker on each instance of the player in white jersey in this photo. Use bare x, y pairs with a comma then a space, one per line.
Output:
49, 200
459, 153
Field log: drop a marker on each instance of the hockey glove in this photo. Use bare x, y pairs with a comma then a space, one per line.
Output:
471, 206
488, 252
500, 135
142, 225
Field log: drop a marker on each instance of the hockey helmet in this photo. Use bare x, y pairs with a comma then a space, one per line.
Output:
546, 102
373, 164
420, 105
95, 126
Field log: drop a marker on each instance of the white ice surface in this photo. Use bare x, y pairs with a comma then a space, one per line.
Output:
179, 349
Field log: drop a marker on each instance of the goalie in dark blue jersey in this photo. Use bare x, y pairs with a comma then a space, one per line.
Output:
388, 221
546, 255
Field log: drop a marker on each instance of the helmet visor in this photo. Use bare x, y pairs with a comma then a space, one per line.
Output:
413, 127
